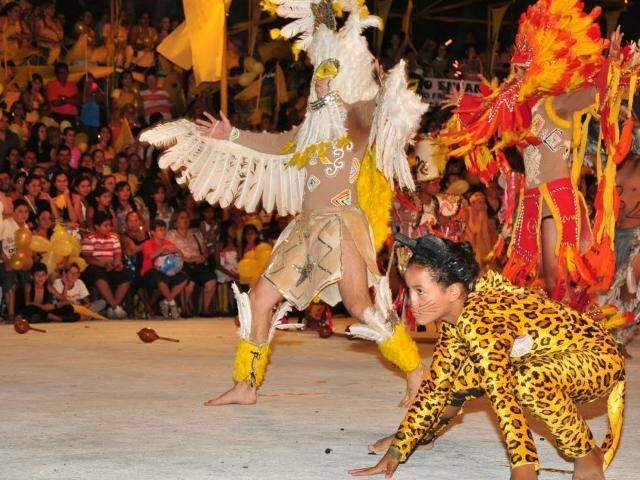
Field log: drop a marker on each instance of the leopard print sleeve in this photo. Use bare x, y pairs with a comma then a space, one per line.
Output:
490, 344
425, 412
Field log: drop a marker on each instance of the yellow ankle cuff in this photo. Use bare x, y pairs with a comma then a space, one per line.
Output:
401, 350
251, 362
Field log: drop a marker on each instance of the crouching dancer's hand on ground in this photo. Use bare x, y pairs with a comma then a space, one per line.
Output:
387, 466
242, 393
414, 380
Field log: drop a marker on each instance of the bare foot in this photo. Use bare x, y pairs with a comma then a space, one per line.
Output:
589, 467
382, 445
240, 394
414, 380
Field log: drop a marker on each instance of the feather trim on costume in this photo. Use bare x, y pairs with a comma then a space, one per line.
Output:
395, 122
376, 327
227, 173
401, 350
244, 313
375, 197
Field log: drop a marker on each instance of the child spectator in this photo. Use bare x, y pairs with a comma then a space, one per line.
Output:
70, 290
39, 300
158, 205
170, 286
11, 278
101, 201
102, 250
193, 250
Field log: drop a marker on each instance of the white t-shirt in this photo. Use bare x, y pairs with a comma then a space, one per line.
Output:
8, 236
76, 293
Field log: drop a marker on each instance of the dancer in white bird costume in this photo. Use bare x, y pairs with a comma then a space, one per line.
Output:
336, 170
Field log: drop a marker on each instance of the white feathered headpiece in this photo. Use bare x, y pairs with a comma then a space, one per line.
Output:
314, 30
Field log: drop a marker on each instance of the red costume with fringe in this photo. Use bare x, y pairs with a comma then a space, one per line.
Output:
560, 47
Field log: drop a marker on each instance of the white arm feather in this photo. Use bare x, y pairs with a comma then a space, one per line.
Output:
224, 172
395, 122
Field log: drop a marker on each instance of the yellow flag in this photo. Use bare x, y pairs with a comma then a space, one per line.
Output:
253, 90
177, 47
198, 41
125, 137
282, 95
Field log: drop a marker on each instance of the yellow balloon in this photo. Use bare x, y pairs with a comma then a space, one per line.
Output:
263, 248
248, 270
51, 261
81, 262
28, 263
76, 246
80, 138
63, 248
40, 244
250, 255
83, 147
22, 238
16, 264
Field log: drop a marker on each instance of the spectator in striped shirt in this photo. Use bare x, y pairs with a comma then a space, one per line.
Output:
155, 99
102, 250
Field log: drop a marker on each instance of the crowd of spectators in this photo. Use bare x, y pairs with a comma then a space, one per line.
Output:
69, 156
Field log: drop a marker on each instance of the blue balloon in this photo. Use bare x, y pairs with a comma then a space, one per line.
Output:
169, 264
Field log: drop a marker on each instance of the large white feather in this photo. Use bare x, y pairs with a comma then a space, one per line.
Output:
395, 122
228, 173
244, 313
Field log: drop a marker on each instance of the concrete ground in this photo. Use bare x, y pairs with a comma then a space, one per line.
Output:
91, 401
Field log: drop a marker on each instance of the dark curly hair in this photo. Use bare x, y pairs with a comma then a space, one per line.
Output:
448, 262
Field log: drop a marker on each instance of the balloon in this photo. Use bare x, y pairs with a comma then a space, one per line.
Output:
81, 262
40, 244
263, 248
257, 68
22, 238
76, 246
51, 261
83, 147
28, 263
248, 270
80, 138
62, 248
251, 254
16, 264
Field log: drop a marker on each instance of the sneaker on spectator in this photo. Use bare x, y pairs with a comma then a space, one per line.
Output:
111, 313
164, 308
173, 308
119, 312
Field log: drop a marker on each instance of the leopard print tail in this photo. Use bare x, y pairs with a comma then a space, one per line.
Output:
615, 412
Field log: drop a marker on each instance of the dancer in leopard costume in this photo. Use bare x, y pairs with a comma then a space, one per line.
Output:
526, 352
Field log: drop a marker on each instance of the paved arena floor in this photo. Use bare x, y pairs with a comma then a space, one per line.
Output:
90, 401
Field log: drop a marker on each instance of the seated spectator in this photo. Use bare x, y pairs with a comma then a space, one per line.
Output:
226, 265
62, 198
39, 300
62, 162
63, 96
123, 203
12, 279
44, 224
69, 138
158, 205
38, 143
155, 99
29, 161
80, 199
70, 290
193, 250
100, 164
8, 139
109, 182
36, 199
132, 240
170, 286
101, 201
102, 250
122, 173
105, 137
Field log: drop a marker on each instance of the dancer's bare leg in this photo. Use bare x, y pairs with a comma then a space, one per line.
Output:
263, 297
548, 238
354, 290
589, 467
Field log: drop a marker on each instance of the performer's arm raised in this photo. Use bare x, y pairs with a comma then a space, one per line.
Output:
266, 142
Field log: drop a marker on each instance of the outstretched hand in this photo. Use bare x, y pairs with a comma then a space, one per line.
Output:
378, 69
455, 96
615, 41
213, 128
387, 466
